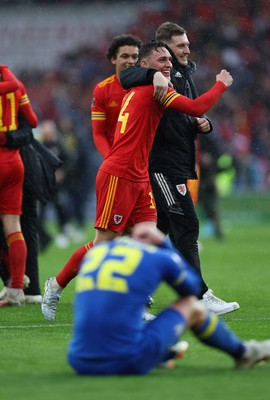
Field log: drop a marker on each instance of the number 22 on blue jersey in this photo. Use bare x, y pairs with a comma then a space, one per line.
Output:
103, 263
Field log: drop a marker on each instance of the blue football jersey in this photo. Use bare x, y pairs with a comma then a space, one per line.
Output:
113, 283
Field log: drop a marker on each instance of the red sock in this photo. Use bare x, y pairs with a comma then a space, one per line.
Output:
17, 253
71, 268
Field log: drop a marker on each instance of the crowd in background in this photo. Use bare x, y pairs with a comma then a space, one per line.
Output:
223, 34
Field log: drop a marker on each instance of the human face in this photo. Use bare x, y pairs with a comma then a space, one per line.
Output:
159, 59
127, 56
179, 45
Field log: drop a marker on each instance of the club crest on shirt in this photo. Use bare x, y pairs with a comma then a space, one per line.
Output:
182, 189
117, 219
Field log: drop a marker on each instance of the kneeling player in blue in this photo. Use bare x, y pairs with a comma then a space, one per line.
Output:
114, 281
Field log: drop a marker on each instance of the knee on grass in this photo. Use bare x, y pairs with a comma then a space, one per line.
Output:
192, 310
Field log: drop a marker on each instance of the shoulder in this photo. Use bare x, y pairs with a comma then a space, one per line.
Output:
141, 96
107, 86
144, 90
106, 82
21, 86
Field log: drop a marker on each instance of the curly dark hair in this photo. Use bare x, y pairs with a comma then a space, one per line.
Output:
122, 40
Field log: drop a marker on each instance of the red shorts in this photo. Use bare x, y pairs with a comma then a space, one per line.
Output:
122, 203
11, 184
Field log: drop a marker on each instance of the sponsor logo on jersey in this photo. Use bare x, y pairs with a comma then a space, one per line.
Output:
117, 219
182, 189
113, 104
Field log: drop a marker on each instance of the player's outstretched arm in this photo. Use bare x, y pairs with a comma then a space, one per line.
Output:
203, 103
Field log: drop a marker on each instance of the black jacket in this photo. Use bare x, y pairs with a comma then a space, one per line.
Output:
40, 163
174, 148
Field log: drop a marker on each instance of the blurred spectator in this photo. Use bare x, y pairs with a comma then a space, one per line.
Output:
75, 186
210, 151
51, 138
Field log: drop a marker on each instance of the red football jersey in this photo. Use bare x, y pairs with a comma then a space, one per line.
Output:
137, 123
108, 96
10, 105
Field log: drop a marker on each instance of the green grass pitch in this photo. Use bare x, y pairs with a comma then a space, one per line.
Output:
33, 351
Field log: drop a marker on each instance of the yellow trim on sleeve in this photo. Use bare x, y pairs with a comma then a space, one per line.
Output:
170, 97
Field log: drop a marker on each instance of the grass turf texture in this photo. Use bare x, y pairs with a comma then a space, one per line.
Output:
33, 351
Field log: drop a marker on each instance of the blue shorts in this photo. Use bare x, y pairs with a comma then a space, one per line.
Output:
158, 336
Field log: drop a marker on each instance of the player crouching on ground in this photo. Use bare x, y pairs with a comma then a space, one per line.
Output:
114, 280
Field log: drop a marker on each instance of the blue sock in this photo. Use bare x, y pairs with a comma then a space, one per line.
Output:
215, 333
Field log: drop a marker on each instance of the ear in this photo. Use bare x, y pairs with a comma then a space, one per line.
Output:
143, 64
113, 60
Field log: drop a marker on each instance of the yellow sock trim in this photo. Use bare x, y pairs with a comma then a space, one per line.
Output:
210, 328
14, 236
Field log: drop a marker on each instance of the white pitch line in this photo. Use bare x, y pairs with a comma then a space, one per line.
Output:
33, 326
249, 319
67, 325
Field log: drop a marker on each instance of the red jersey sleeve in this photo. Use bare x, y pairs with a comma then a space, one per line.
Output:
25, 108
99, 123
198, 106
9, 83
101, 142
